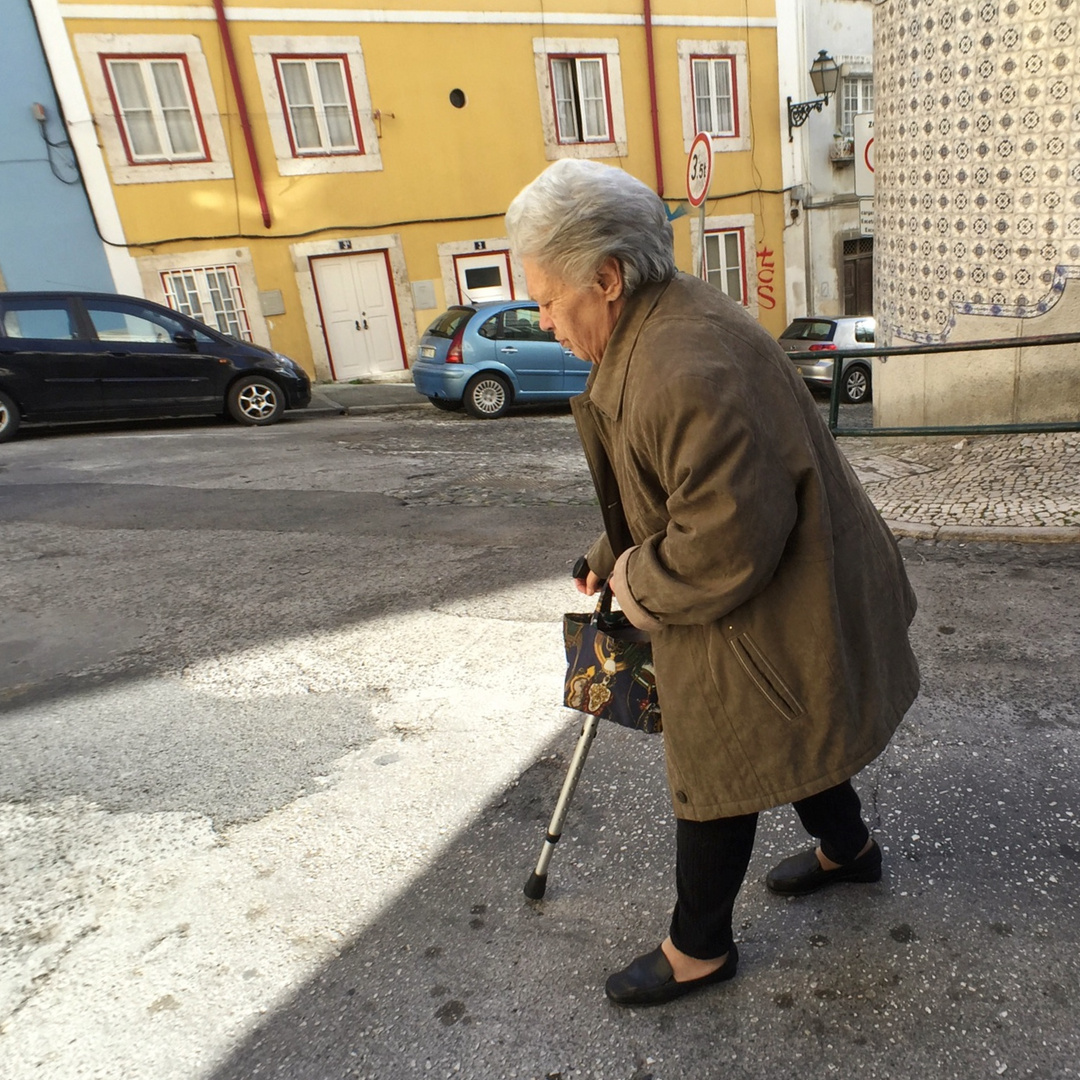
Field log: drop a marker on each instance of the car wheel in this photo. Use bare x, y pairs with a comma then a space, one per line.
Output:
487, 397
9, 418
856, 384
255, 400
446, 406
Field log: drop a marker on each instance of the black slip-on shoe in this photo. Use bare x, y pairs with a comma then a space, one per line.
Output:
649, 980
802, 873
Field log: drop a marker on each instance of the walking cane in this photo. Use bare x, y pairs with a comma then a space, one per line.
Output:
537, 883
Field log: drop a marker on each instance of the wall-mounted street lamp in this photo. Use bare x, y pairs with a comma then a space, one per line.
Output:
825, 75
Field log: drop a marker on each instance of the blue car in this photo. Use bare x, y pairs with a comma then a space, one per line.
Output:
487, 357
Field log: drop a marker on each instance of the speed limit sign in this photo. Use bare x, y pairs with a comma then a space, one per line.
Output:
699, 168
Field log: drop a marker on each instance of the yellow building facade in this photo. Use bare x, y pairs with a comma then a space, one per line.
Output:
325, 180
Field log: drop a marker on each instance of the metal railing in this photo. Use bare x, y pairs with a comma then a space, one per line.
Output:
840, 355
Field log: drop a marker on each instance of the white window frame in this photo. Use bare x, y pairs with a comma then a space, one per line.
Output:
498, 247
156, 108
212, 165
484, 260
735, 52
744, 224
851, 104
604, 50
268, 52
712, 63
577, 131
723, 268
210, 294
153, 270
318, 105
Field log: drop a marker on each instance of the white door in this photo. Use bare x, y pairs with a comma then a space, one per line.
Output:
358, 314
483, 277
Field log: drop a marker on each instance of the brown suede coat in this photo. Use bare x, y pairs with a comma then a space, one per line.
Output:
777, 599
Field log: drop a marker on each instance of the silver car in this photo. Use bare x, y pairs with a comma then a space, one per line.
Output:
823, 336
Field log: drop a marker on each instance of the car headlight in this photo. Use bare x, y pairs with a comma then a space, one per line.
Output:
287, 362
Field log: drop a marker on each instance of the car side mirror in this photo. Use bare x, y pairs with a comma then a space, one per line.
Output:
186, 340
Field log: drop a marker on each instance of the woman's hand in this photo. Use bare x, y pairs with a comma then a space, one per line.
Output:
589, 585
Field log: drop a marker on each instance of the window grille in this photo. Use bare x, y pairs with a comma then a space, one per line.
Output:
861, 245
211, 294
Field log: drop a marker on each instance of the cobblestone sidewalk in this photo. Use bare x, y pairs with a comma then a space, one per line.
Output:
982, 487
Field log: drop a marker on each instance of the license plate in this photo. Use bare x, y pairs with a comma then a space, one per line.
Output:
427, 352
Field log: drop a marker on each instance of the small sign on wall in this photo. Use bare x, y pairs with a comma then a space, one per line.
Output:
272, 302
423, 295
866, 216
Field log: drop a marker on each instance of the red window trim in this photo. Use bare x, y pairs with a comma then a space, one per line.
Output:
118, 112
730, 57
602, 57
344, 58
504, 252
741, 230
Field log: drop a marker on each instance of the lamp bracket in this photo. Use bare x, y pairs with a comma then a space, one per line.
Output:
798, 112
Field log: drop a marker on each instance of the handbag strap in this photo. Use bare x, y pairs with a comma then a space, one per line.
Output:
615, 623
603, 604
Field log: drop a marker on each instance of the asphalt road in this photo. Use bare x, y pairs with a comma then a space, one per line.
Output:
280, 734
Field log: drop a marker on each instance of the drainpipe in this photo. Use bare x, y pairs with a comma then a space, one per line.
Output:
241, 105
651, 63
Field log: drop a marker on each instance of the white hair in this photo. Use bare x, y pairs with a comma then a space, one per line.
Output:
576, 214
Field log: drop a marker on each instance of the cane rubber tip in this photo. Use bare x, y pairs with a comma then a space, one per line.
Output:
535, 886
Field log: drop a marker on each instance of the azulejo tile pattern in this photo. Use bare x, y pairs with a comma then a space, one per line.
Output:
977, 159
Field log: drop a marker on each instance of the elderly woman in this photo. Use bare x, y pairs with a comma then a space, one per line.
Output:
737, 534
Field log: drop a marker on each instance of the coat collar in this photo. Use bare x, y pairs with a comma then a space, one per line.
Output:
608, 379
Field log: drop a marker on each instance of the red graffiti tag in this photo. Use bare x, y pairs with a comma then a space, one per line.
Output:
765, 277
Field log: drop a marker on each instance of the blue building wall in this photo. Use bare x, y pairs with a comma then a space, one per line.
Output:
47, 235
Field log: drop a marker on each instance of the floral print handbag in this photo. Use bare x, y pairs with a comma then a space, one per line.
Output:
609, 670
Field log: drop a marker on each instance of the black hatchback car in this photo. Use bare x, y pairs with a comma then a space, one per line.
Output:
95, 356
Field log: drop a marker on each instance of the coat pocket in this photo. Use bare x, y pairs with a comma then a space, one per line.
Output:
765, 677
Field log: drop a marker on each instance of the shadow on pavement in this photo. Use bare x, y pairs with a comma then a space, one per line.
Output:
962, 962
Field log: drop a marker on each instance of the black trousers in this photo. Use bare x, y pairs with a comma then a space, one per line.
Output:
712, 857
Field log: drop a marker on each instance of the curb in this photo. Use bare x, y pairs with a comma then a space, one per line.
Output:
991, 534
357, 410
328, 406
